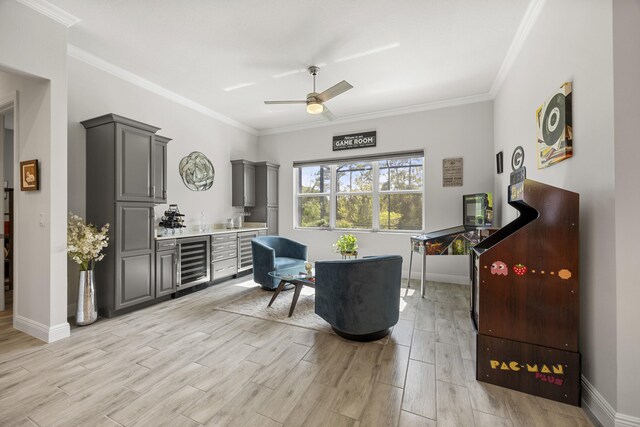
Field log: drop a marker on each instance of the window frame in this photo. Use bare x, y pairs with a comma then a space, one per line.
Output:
375, 193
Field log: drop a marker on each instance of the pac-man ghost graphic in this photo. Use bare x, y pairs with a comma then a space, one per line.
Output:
499, 267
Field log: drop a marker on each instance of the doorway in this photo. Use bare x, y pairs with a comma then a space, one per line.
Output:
7, 232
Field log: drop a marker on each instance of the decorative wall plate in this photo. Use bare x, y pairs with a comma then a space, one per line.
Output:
196, 171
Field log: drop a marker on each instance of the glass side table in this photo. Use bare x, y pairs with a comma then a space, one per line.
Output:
298, 277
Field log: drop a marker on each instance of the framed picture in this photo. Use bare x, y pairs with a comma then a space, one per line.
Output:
499, 159
555, 127
29, 176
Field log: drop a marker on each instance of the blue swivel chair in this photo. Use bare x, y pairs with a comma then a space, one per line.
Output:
273, 253
359, 298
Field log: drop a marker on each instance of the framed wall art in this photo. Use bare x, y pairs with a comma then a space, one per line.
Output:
554, 128
29, 175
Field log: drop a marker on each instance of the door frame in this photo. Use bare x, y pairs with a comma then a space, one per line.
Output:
9, 102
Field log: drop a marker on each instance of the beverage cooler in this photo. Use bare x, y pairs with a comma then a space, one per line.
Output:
525, 299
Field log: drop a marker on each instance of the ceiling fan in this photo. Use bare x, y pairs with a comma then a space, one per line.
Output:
315, 101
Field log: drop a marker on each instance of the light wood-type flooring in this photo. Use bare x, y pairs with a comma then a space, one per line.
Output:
183, 363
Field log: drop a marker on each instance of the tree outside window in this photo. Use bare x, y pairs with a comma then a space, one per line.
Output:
366, 195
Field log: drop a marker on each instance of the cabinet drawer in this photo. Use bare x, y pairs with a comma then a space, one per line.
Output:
224, 255
165, 245
224, 247
222, 238
225, 268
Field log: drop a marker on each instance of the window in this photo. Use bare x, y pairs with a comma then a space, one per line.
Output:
313, 196
361, 194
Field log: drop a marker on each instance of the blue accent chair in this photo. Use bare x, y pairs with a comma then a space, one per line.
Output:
359, 298
273, 253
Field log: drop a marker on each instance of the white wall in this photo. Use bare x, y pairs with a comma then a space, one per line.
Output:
570, 43
465, 131
626, 66
93, 92
33, 45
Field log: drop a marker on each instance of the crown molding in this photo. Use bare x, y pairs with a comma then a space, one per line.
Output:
51, 11
108, 67
436, 105
522, 33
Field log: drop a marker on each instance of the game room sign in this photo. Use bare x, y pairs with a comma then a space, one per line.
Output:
354, 140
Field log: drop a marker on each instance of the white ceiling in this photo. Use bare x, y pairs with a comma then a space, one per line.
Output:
395, 53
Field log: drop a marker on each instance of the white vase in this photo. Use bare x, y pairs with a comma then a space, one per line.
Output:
87, 311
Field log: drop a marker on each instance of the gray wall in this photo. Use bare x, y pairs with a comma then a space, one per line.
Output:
34, 45
93, 92
573, 44
464, 131
626, 66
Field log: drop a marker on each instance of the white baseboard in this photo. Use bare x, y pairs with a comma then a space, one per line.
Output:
40, 331
623, 420
595, 403
435, 277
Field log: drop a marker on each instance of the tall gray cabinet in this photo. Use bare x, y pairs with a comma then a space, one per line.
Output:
266, 196
243, 177
126, 175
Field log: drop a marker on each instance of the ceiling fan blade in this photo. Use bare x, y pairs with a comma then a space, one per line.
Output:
327, 114
334, 91
286, 102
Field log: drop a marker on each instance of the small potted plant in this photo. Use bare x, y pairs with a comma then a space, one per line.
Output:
347, 245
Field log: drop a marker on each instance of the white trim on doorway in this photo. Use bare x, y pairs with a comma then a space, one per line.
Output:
10, 102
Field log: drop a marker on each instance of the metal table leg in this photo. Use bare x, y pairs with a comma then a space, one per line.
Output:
424, 272
410, 264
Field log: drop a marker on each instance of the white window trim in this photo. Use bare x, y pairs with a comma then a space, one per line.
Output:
375, 193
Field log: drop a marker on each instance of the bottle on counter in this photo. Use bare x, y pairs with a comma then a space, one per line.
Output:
203, 222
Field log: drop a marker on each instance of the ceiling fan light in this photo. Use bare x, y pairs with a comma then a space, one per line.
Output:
315, 108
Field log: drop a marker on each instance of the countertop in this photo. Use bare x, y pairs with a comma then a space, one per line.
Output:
183, 232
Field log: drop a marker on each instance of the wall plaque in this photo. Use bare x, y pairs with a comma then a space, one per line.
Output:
354, 140
452, 172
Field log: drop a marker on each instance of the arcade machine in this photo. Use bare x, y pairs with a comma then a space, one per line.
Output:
525, 295
477, 214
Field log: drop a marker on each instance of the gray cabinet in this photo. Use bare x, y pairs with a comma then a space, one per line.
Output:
243, 177
160, 169
224, 255
166, 267
121, 177
135, 282
272, 220
266, 190
134, 164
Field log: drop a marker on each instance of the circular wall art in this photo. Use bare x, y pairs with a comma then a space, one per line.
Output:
196, 171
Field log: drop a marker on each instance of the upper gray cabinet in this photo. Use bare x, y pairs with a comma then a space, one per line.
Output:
266, 191
134, 164
243, 177
160, 169
126, 156
272, 183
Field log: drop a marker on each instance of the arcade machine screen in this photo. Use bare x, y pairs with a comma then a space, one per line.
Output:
477, 209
